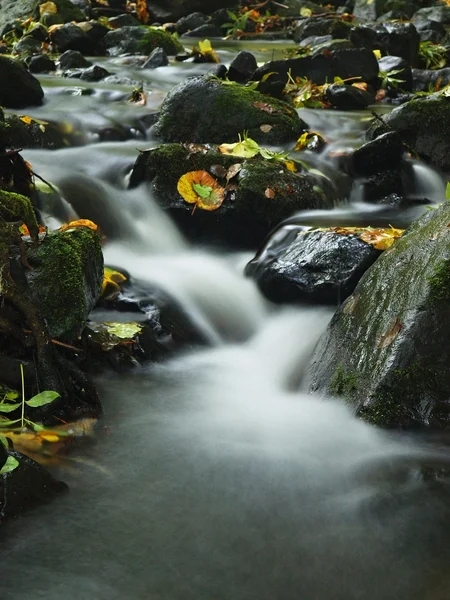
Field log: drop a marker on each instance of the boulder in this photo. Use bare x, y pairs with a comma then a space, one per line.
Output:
172, 10
348, 97
72, 37
10, 10
190, 22
396, 39
426, 79
208, 30
264, 192
27, 486
66, 279
203, 109
384, 152
41, 64
323, 67
94, 73
310, 266
440, 14
242, 67
424, 125
320, 26
18, 87
387, 349
370, 11
72, 59
140, 40
157, 58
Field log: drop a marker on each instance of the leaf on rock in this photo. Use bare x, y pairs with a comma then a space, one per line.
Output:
206, 51
142, 11
79, 223
290, 166
124, 331
201, 189
48, 7
10, 464
244, 148
269, 193
266, 128
111, 282
381, 239
233, 171
389, 336
42, 399
264, 106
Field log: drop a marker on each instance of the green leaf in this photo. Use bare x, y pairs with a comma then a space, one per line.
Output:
42, 399
204, 191
12, 395
125, 331
8, 423
4, 441
6, 408
10, 464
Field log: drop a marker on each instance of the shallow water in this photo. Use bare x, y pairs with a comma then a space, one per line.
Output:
213, 477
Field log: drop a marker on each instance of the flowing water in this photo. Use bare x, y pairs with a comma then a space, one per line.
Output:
215, 476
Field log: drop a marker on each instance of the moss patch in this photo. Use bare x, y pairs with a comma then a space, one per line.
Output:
158, 38
440, 282
343, 383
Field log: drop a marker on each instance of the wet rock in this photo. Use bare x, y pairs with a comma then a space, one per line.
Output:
426, 79
27, 486
320, 26
396, 39
348, 97
27, 46
94, 73
208, 30
378, 186
387, 349
10, 10
242, 67
371, 11
172, 10
388, 64
424, 125
265, 193
16, 133
18, 87
384, 152
66, 13
202, 109
158, 58
190, 22
72, 59
347, 63
140, 40
71, 37
41, 64
66, 279
310, 266
440, 14
38, 32
124, 20
319, 45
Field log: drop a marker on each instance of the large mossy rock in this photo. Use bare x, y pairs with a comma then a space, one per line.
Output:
18, 87
140, 40
424, 125
247, 214
27, 486
22, 9
203, 109
387, 349
66, 278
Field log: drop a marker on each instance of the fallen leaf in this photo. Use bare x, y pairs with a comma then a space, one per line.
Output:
10, 464
124, 331
264, 106
233, 171
79, 223
266, 128
48, 7
142, 11
290, 166
201, 189
218, 171
381, 239
387, 338
111, 282
269, 193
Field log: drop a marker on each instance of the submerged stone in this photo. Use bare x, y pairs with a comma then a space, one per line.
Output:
387, 349
203, 109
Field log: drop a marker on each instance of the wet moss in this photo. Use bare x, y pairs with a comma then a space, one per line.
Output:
440, 282
15, 207
343, 382
385, 411
66, 278
158, 38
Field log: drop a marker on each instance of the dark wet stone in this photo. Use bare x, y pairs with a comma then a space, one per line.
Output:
123, 21
440, 14
71, 37
158, 58
320, 26
388, 64
18, 87
384, 152
38, 32
348, 97
172, 10
387, 349
382, 184
242, 67
371, 11
320, 69
72, 59
310, 266
427, 79
396, 39
27, 486
206, 30
139, 40
202, 109
94, 73
41, 64
27, 45
190, 22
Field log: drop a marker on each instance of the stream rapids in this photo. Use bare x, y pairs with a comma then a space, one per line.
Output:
213, 477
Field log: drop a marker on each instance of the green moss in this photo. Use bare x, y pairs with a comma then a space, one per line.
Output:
158, 38
343, 383
15, 207
385, 411
440, 282
67, 279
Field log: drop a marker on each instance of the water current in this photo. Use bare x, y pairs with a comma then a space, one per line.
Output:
215, 476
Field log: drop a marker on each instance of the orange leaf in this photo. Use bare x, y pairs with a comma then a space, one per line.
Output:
79, 223
201, 189
142, 12
269, 193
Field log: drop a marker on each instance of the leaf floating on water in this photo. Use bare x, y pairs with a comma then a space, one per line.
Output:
79, 223
10, 464
201, 189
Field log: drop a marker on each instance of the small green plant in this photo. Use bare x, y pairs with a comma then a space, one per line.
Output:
434, 55
387, 79
238, 23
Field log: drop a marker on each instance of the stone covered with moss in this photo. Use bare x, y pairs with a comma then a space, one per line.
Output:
67, 12
140, 40
205, 109
66, 278
248, 212
387, 349
424, 125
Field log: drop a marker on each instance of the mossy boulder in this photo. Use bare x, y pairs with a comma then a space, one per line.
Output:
18, 87
27, 486
25, 132
248, 212
424, 125
387, 349
140, 40
66, 278
67, 12
204, 109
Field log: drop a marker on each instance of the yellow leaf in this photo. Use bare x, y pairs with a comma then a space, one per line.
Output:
111, 282
290, 166
245, 148
50, 437
302, 141
48, 7
201, 189
377, 54
305, 12
79, 223
26, 119
381, 239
